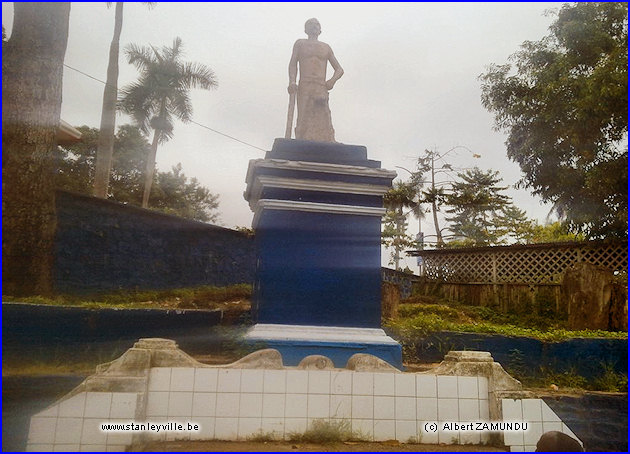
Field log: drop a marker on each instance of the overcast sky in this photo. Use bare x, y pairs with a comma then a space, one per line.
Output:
410, 80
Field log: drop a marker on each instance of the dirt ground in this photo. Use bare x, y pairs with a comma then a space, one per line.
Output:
281, 446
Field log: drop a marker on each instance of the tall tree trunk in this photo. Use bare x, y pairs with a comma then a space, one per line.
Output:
32, 75
105, 149
438, 232
150, 170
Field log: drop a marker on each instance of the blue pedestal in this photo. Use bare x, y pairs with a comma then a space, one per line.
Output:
318, 209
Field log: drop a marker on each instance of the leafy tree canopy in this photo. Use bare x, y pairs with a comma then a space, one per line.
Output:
174, 193
563, 103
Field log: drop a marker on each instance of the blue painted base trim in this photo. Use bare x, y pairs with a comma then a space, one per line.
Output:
294, 351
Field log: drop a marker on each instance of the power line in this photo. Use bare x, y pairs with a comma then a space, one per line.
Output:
191, 121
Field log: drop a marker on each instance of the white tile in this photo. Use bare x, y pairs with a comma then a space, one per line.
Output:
204, 404
296, 406
548, 415
157, 403
513, 437
362, 407
206, 380
273, 427
405, 385
519, 448
182, 379
248, 427
341, 382
273, 405
39, 447
275, 381
226, 428
447, 386
52, 411
251, 406
123, 405
119, 438
425, 436
532, 410
42, 430
548, 426
512, 410
406, 431
484, 410
97, 405
319, 382
340, 406
448, 437
426, 385
482, 382
73, 407
294, 426
206, 429
384, 384
467, 388
154, 435
448, 410
364, 428
252, 381
529, 448
533, 433
66, 447
426, 409
160, 379
227, 405
228, 380
177, 434
116, 448
92, 448
68, 430
92, 433
362, 384
405, 408
469, 437
384, 407
297, 381
180, 404
318, 405
384, 430
469, 410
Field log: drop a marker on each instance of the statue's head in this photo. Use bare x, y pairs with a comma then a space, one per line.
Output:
312, 27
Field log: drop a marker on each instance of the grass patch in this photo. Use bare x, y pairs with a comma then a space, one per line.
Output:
203, 297
420, 319
324, 431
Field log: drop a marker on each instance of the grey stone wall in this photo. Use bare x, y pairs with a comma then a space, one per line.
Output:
106, 246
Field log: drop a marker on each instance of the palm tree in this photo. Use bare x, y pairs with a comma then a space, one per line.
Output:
161, 94
105, 149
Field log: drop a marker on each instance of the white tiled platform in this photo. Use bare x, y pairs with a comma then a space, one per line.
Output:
234, 404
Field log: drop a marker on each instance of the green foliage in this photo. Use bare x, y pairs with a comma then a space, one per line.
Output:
564, 104
196, 297
161, 93
481, 214
327, 431
417, 320
552, 233
173, 193
611, 381
394, 235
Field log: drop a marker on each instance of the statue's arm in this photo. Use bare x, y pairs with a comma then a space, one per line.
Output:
293, 68
330, 83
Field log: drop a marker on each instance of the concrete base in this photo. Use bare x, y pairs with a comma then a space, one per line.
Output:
295, 342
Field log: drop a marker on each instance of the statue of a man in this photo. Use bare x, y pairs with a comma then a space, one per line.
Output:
313, 122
